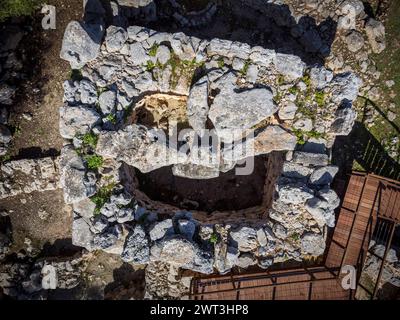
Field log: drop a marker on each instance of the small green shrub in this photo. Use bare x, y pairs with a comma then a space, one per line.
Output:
281, 80
295, 236
5, 158
16, 8
306, 79
294, 90
111, 118
245, 68
153, 50
102, 196
320, 98
150, 65
315, 134
300, 136
90, 139
214, 238
94, 161
221, 63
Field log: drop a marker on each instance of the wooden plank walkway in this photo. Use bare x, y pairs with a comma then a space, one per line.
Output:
367, 197
298, 284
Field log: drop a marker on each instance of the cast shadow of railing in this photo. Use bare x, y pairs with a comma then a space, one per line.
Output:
363, 147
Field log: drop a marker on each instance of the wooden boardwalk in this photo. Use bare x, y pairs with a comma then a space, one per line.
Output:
367, 198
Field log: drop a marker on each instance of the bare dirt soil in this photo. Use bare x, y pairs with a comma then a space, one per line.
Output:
40, 96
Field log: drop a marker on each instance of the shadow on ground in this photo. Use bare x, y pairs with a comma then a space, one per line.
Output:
360, 145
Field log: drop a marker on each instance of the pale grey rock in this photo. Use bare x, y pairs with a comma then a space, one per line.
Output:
125, 215
344, 121
139, 147
391, 116
290, 66
84, 208
354, 41
138, 54
376, 35
321, 211
163, 54
108, 240
180, 252
107, 102
265, 263
115, 38
99, 223
239, 50
49, 277
136, 248
355, 7
234, 110
81, 43
157, 38
77, 184
5, 135
280, 231
244, 238
246, 260
139, 34
205, 232
130, 89
193, 171
197, 105
161, 229
313, 244
88, 92
310, 159
81, 234
71, 91
106, 73
252, 73
77, 120
324, 175
225, 260
329, 196
297, 171
287, 110
295, 193
144, 82
320, 77
262, 237
262, 57
266, 140
303, 124
117, 206
345, 87
219, 47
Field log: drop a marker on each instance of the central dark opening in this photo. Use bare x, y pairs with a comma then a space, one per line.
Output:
228, 192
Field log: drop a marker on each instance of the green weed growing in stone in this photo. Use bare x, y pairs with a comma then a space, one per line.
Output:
102, 196
94, 161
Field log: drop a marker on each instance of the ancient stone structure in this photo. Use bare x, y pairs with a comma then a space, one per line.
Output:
286, 104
